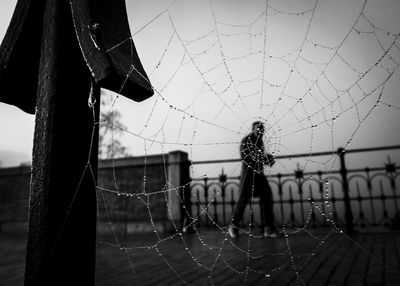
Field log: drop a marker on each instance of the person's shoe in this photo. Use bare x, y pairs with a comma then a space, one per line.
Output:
270, 233
233, 232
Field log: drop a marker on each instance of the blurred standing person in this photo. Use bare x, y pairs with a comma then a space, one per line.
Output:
253, 182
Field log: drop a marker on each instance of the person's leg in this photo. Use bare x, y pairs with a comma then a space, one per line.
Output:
244, 197
267, 204
239, 208
246, 182
233, 229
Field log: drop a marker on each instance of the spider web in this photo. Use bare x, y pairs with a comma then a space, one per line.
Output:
316, 73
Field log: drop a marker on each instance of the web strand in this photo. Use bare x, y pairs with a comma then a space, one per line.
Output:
219, 80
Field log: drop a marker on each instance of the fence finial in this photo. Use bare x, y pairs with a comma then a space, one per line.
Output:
390, 167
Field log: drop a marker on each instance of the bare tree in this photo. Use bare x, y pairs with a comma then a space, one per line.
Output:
111, 129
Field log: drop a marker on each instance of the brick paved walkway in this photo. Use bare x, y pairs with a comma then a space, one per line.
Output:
365, 259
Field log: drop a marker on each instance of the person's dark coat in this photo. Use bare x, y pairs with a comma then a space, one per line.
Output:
254, 159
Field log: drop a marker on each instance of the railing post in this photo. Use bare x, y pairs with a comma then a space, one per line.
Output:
345, 185
206, 200
178, 180
280, 192
222, 180
299, 175
321, 193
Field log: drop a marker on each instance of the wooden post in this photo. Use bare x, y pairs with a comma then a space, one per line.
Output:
70, 48
62, 211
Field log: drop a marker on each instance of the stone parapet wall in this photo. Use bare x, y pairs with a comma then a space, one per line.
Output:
131, 175
14, 194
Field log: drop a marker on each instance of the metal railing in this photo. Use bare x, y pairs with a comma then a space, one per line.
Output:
349, 197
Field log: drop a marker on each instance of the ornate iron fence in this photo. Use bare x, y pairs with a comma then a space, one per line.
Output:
350, 197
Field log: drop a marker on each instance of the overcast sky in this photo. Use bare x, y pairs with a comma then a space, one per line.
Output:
312, 71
